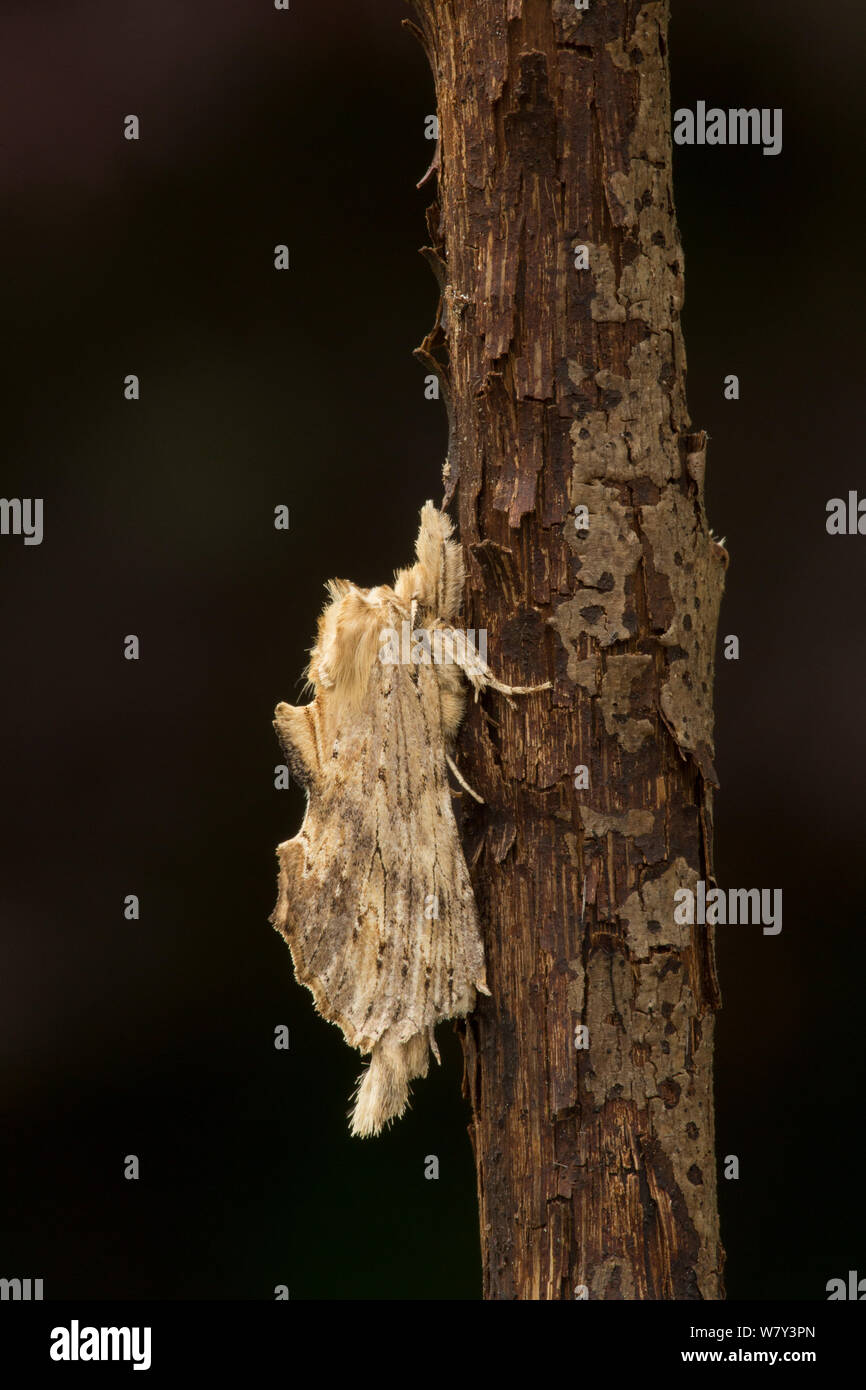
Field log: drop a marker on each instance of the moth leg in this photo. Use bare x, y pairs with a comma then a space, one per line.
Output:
509, 690
480, 676
460, 778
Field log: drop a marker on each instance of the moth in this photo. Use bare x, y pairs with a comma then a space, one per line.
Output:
374, 897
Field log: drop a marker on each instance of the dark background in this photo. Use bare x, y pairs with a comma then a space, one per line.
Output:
156, 778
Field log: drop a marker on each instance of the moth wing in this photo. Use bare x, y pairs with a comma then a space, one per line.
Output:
375, 899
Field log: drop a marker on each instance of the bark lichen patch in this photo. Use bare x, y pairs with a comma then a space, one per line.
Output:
622, 440
683, 552
612, 1275
699, 1197
585, 674
607, 306
603, 604
576, 985
632, 824
648, 912
636, 1051
650, 135
617, 704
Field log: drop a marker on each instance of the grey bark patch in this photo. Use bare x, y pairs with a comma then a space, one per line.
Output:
686, 694
654, 901
631, 823
615, 700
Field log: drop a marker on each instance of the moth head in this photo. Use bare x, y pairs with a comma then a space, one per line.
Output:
347, 644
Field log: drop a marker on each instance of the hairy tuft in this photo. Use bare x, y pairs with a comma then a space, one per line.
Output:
382, 1093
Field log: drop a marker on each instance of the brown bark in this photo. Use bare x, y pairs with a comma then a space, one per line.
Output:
566, 388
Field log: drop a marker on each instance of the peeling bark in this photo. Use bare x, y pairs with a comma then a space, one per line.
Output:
566, 388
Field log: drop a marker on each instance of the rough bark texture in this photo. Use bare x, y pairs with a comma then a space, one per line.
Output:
566, 389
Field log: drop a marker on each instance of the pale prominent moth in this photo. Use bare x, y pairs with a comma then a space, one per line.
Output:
375, 900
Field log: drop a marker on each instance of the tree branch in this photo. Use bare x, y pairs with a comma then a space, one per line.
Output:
579, 486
